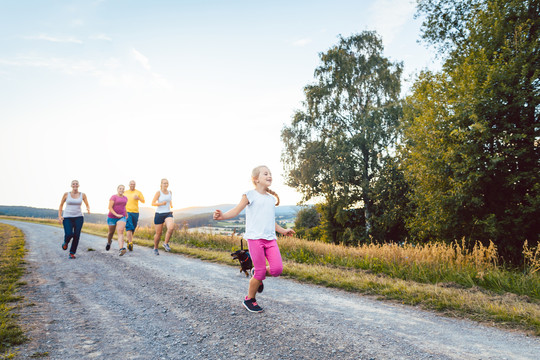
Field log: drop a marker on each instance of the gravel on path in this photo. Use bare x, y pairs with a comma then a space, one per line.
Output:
143, 306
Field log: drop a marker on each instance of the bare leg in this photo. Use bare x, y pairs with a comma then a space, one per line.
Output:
111, 233
129, 236
170, 228
253, 286
120, 230
159, 228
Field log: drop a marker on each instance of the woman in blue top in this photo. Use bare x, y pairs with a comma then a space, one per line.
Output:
260, 232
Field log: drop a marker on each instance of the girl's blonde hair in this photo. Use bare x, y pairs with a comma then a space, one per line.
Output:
255, 174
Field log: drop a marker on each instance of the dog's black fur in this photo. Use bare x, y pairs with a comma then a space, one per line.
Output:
244, 258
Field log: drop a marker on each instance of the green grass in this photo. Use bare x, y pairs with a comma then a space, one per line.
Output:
445, 278
476, 290
11, 269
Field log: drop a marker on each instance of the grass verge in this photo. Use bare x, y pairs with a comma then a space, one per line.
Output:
445, 278
11, 269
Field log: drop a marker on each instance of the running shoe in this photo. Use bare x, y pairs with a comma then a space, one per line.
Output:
72, 256
156, 252
130, 246
252, 306
122, 251
166, 247
64, 246
108, 246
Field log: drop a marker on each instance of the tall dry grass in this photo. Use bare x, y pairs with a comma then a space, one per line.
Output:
434, 263
445, 277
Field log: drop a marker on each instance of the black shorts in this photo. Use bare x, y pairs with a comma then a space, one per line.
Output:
159, 218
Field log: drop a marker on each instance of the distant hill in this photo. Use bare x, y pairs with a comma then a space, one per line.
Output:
194, 216
32, 212
282, 210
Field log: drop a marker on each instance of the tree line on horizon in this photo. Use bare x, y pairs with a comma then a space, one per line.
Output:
456, 158
189, 220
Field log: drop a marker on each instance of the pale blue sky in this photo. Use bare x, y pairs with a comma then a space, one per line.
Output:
194, 91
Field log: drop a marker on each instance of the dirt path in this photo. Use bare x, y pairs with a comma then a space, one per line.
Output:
142, 306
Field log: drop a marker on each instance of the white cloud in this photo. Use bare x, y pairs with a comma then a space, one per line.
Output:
112, 72
65, 39
302, 42
158, 79
389, 16
100, 37
143, 60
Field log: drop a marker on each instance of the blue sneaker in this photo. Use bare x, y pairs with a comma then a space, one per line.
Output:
166, 247
252, 306
156, 252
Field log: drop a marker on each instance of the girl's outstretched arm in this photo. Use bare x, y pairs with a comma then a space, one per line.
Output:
218, 215
286, 232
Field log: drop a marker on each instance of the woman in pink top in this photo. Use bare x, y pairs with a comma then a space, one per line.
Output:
117, 218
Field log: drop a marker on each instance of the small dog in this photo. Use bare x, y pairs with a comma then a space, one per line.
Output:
245, 259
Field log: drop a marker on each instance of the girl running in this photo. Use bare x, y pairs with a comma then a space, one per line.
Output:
72, 218
163, 201
260, 232
117, 218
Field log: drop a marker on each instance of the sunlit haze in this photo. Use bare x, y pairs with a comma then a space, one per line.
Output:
193, 91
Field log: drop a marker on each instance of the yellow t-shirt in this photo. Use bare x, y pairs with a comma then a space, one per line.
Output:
132, 204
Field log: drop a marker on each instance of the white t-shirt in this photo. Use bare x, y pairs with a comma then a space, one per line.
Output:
260, 216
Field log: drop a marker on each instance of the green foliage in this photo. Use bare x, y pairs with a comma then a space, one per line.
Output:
391, 206
11, 269
471, 132
333, 147
307, 223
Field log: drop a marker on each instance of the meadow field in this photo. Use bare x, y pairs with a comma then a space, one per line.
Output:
448, 278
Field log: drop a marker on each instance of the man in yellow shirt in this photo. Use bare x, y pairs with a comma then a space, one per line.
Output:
132, 208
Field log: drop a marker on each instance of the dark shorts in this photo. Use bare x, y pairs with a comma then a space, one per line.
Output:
132, 220
159, 218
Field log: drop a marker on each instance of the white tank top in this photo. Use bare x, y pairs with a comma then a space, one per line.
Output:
73, 206
164, 197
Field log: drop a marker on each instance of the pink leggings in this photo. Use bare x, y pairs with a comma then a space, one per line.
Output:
261, 250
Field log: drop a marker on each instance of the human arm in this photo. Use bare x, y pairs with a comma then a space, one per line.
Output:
282, 231
218, 215
60, 218
140, 197
155, 200
86, 203
111, 210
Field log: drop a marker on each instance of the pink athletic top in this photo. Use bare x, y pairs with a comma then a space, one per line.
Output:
119, 206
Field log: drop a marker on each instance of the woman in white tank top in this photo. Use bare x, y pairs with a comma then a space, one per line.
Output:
163, 201
72, 218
